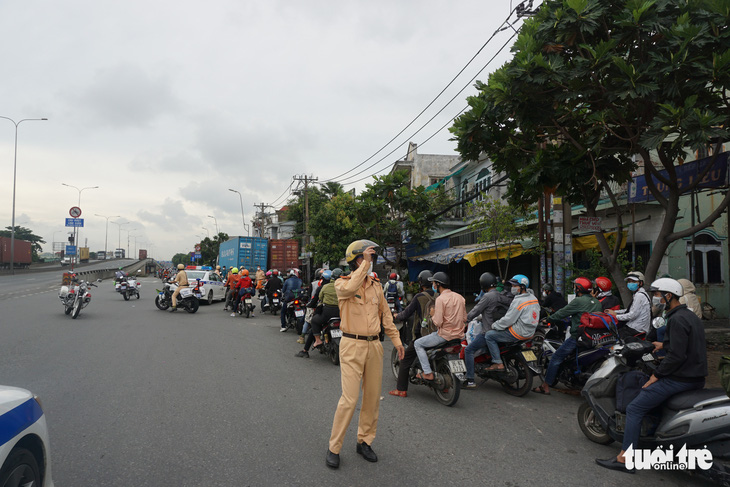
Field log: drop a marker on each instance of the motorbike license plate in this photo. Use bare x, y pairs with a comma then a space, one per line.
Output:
529, 355
275, 301
457, 366
336, 333
248, 301
299, 313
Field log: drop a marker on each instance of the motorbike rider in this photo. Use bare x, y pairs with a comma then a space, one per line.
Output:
448, 315
272, 285
551, 299
394, 289
418, 308
120, 275
689, 297
491, 302
315, 285
231, 288
637, 317
291, 285
218, 270
325, 300
181, 279
364, 313
584, 302
519, 323
244, 286
683, 369
602, 292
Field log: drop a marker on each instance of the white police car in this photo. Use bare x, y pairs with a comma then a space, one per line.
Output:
212, 287
25, 453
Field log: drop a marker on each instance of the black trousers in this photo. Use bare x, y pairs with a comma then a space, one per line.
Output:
405, 365
318, 322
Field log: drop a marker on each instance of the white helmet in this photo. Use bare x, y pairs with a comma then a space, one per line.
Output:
667, 285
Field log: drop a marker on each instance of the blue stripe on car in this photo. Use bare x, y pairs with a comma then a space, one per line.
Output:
18, 419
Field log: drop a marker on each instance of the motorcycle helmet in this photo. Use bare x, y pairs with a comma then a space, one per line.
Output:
583, 285
294, 272
487, 280
424, 278
520, 280
318, 274
667, 285
393, 276
356, 249
441, 278
244, 272
179, 266
634, 276
269, 274
548, 287
275, 272
327, 275
336, 273
603, 284
234, 270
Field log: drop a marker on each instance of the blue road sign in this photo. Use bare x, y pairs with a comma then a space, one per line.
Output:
74, 222
70, 250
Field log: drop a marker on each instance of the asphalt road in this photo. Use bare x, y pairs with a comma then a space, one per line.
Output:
137, 396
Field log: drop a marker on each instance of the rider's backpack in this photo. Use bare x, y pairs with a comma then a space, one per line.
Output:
595, 329
723, 368
628, 387
392, 289
426, 301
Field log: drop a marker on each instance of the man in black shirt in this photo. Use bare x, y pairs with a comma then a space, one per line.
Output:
551, 299
683, 369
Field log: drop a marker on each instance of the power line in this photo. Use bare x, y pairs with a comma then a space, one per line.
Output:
282, 194
499, 29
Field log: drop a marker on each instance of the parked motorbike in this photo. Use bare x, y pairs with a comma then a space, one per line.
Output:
448, 371
188, 299
76, 296
128, 287
331, 335
698, 419
520, 366
245, 304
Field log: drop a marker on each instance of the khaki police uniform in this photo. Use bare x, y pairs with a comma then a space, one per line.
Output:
182, 281
362, 309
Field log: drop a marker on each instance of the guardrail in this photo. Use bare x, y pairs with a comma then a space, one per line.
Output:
108, 273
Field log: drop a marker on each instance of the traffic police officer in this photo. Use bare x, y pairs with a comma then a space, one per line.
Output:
362, 309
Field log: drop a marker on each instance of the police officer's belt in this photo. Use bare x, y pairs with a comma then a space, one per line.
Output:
361, 337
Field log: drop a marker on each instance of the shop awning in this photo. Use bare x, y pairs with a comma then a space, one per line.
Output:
443, 181
502, 252
445, 256
587, 242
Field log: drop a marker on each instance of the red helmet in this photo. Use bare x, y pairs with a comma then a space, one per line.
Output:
603, 283
583, 285
393, 275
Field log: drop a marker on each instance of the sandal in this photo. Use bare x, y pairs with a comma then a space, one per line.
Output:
420, 376
540, 390
495, 368
396, 392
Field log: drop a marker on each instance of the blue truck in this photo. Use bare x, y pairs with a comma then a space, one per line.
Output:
244, 253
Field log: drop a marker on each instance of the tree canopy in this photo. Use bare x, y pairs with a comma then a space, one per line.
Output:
22, 233
592, 85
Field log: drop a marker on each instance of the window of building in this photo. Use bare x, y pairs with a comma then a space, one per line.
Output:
483, 181
708, 259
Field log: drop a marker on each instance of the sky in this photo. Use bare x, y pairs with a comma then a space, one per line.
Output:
165, 105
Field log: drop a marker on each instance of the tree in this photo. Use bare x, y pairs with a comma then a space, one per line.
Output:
209, 248
333, 227
594, 83
22, 233
501, 225
183, 259
394, 215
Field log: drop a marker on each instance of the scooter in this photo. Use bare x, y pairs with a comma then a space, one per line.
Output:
697, 419
448, 371
520, 366
245, 305
331, 336
275, 304
76, 296
294, 317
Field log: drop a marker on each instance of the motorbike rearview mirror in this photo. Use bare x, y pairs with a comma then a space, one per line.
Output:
658, 322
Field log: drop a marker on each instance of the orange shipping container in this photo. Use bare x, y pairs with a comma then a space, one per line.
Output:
283, 254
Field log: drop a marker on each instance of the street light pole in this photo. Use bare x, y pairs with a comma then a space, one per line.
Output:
243, 220
15, 170
216, 224
106, 232
119, 235
128, 232
206, 231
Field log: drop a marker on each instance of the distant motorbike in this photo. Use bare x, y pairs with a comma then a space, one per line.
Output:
128, 287
448, 371
189, 298
245, 304
331, 335
75, 296
520, 366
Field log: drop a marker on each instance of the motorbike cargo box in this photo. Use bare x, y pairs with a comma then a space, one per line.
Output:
186, 292
63, 292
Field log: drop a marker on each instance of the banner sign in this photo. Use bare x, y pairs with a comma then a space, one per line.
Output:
686, 175
592, 224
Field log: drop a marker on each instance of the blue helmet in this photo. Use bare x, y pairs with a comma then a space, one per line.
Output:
327, 275
520, 280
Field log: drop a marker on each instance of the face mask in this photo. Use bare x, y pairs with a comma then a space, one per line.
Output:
656, 301
633, 286
434, 288
515, 291
544, 294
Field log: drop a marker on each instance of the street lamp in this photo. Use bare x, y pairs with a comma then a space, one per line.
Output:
119, 236
128, 232
76, 229
216, 224
135, 243
243, 220
106, 231
206, 231
15, 167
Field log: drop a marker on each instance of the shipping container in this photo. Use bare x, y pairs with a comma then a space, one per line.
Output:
84, 254
284, 254
244, 253
142, 254
23, 254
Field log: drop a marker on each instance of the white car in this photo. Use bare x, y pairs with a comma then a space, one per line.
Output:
212, 287
25, 453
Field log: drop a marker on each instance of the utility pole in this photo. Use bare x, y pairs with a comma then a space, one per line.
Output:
261, 217
306, 180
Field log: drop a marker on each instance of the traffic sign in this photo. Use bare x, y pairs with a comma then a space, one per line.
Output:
74, 222
70, 250
197, 255
75, 212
